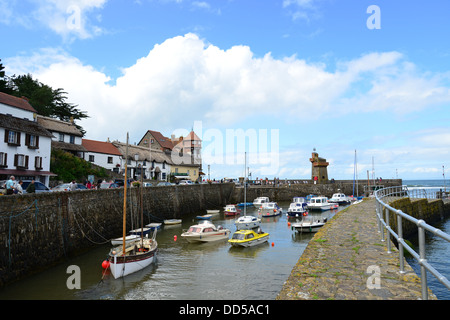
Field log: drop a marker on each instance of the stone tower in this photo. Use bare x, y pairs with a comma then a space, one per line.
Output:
319, 172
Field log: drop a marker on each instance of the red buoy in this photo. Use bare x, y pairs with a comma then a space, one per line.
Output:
105, 264
175, 238
273, 244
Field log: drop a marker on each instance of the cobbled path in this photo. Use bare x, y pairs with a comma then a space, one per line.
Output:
344, 260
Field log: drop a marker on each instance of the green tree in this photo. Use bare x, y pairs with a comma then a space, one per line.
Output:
47, 101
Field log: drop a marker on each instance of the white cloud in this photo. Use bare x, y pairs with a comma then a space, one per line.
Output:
185, 79
68, 18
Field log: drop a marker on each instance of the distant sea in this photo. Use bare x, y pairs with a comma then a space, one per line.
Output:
428, 184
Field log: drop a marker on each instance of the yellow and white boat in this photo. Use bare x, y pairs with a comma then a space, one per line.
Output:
248, 238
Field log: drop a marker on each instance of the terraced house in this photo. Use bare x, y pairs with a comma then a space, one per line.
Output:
25, 149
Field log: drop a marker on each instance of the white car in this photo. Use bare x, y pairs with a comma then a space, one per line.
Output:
185, 182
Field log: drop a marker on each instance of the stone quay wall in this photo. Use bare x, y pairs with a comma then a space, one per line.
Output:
40, 230
429, 210
285, 191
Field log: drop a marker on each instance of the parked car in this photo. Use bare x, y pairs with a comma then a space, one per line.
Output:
40, 187
164, 183
2, 186
185, 182
108, 185
66, 187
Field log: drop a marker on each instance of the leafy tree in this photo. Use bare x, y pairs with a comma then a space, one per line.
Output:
69, 167
47, 101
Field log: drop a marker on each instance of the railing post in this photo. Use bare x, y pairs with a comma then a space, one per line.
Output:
423, 270
388, 233
400, 245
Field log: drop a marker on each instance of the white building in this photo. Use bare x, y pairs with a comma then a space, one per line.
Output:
103, 154
66, 136
155, 163
25, 149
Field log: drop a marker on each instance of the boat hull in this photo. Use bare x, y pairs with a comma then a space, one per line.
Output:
172, 221
308, 228
250, 243
194, 237
122, 266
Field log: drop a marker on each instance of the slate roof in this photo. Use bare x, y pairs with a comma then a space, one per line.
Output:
17, 102
23, 125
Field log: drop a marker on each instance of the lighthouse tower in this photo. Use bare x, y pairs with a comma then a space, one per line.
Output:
319, 172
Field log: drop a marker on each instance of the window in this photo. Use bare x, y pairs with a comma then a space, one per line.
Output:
32, 141
12, 137
72, 139
164, 165
3, 159
38, 163
110, 159
21, 160
91, 158
61, 137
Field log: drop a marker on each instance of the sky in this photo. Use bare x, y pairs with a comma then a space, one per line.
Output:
269, 81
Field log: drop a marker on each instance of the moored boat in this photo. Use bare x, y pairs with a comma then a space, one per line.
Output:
340, 198
309, 225
128, 239
231, 210
135, 255
259, 201
270, 209
319, 203
172, 221
204, 217
248, 238
205, 232
153, 225
247, 222
297, 208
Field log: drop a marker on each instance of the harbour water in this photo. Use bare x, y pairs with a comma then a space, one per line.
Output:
214, 271
183, 271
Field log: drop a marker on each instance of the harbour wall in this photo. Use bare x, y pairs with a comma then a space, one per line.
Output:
39, 230
429, 210
286, 191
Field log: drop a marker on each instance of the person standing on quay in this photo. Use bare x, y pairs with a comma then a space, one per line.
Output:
10, 185
31, 188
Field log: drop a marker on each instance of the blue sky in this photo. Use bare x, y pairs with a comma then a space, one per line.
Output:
310, 70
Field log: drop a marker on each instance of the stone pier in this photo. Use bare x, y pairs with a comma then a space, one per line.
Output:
346, 260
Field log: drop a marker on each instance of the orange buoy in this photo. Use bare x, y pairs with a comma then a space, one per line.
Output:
273, 244
289, 224
105, 264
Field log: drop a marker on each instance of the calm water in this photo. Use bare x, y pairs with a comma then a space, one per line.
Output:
437, 250
182, 271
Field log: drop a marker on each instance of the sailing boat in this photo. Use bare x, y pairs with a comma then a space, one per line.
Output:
135, 255
246, 222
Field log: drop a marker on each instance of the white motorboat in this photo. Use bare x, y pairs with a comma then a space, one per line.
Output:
205, 232
154, 225
340, 198
297, 208
231, 210
259, 201
212, 211
247, 222
309, 225
319, 203
270, 209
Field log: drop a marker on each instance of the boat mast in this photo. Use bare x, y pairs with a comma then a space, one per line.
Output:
125, 199
245, 184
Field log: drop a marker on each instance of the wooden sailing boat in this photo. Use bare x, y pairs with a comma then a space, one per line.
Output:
136, 255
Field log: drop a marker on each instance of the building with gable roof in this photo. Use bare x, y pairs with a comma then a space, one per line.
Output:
103, 154
25, 149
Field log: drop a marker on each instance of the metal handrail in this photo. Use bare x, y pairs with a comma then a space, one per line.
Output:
383, 210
